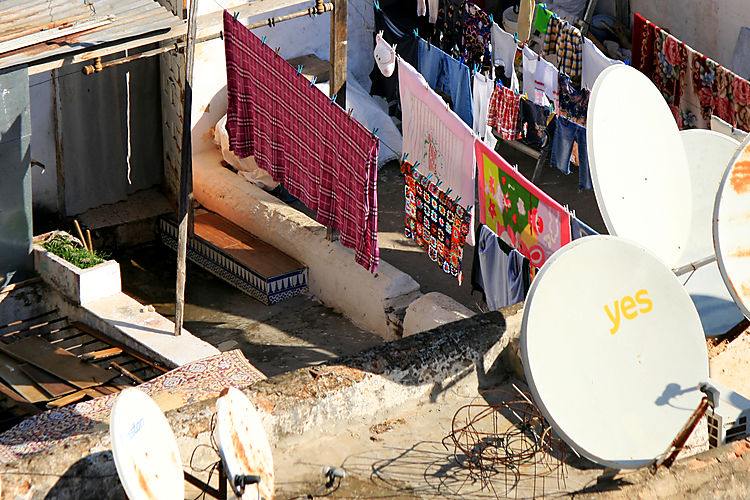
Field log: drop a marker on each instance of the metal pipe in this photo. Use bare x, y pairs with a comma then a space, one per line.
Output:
320, 8
694, 266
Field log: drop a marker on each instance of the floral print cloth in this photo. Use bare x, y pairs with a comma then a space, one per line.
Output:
643, 45
436, 221
477, 37
670, 65
574, 104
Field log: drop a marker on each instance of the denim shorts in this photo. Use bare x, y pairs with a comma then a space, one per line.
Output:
567, 133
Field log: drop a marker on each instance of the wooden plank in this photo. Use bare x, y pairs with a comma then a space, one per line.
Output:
70, 398
57, 361
107, 340
11, 373
21, 403
51, 34
102, 354
312, 65
258, 255
49, 383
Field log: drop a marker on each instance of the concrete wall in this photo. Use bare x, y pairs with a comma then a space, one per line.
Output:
43, 183
708, 26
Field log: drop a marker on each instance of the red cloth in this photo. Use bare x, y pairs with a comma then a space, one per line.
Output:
324, 158
503, 113
643, 45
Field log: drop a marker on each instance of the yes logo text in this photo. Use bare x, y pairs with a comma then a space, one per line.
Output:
629, 308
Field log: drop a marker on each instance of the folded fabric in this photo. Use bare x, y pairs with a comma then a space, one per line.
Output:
246, 167
546, 81
567, 133
504, 48
436, 221
324, 158
436, 138
445, 74
481, 94
503, 113
566, 42
594, 62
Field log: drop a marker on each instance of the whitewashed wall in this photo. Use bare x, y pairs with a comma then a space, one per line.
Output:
43, 184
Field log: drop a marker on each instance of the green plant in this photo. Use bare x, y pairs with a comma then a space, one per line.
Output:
66, 248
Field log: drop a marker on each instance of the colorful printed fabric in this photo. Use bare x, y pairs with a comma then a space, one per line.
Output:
566, 42
520, 213
574, 104
437, 222
190, 383
437, 141
450, 27
643, 45
503, 113
477, 37
670, 65
323, 157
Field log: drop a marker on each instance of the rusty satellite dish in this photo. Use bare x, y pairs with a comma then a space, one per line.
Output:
613, 350
244, 447
144, 448
731, 227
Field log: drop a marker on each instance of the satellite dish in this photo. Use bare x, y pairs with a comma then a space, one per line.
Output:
613, 350
243, 444
708, 153
731, 227
145, 450
638, 165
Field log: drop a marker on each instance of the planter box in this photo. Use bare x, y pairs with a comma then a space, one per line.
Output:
79, 285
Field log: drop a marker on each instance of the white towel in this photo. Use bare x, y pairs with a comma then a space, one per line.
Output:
503, 49
546, 80
481, 93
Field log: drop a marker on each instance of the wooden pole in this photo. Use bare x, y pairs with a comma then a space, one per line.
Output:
185, 210
338, 62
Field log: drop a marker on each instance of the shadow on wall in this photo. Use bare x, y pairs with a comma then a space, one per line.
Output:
87, 478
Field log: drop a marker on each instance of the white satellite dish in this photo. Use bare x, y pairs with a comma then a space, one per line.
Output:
613, 350
638, 165
145, 450
731, 227
708, 153
243, 445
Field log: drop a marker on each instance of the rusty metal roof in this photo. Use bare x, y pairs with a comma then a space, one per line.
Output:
104, 22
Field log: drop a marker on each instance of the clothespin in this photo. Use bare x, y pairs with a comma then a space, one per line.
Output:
416, 33
415, 165
403, 158
312, 81
376, 4
627, 62
374, 131
263, 41
492, 18
333, 98
438, 183
349, 113
234, 17
299, 69
515, 37
461, 60
276, 51
457, 199
476, 69
448, 192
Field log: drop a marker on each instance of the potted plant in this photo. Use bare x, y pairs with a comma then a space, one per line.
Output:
77, 271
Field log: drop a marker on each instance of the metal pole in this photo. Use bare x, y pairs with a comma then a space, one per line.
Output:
185, 210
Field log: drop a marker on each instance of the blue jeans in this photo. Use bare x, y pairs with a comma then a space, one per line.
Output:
567, 133
446, 74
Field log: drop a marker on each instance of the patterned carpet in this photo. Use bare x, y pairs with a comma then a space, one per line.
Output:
191, 383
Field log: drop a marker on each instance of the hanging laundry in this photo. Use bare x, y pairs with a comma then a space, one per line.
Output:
520, 213
421, 8
436, 138
669, 69
566, 134
541, 18
644, 41
477, 36
433, 10
724, 100
437, 222
504, 48
385, 56
566, 42
741, 97
529, 58
499, 271
594, 62
525, 19
324, 158
481, 95
503, 113
719, 125
450, 27
574, 104
546, 81
406, 46
445, 74
534, 120
579, 229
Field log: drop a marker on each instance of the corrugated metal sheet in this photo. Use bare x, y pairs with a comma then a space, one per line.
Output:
131, 19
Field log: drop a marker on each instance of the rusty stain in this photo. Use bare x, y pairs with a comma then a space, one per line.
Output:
740, 178
143, 483
745, 252
745, 290
239, 448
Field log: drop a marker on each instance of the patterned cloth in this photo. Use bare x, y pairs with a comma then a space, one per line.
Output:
323, 157
643, 45
191, 383
477, 37
503, 113
670, 65
449, 28
566, 42
574, 104
436, 221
